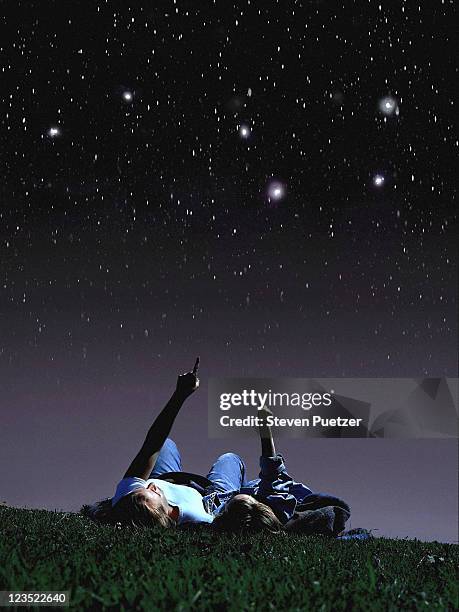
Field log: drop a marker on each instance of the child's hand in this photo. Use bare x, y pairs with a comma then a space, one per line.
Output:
266, 437
188, 383
263, 413
264, 428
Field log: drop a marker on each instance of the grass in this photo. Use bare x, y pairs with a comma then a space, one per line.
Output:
107, 567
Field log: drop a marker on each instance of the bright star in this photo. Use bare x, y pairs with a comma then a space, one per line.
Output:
127, 96
244, 131
276, 191
54, 131
388, 106
378, 180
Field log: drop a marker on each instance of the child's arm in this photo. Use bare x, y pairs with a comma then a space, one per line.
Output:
145, 460
266, 436
273, 487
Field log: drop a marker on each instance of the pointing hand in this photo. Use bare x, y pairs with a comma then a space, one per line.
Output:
189, 382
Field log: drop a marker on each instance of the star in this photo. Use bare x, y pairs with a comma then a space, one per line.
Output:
388, 106
378, 180
54, 131
244, 131
276, 191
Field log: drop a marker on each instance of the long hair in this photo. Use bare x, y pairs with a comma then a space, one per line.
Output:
100, 511
246, 514
130, 510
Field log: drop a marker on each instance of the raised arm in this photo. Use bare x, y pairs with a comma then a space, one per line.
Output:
144, 462
266, 437
274, 483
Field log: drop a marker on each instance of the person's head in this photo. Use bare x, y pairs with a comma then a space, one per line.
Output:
145, 507
245, 513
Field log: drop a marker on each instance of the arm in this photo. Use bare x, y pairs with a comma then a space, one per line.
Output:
145, 460
273, 475
266, 436
274, 484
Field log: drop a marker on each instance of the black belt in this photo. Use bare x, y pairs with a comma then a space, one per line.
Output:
195, 481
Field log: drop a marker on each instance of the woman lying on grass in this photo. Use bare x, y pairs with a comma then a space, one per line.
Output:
155, 490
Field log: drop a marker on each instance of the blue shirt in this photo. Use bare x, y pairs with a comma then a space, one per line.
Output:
187, 500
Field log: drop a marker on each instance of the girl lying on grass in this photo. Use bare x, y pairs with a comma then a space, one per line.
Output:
155, 490
291, 505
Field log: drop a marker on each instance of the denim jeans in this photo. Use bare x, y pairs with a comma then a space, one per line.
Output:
227, 477
227, 474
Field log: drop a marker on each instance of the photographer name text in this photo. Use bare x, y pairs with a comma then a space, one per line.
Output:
275, 421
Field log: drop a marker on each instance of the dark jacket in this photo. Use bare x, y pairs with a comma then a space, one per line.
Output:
293, 502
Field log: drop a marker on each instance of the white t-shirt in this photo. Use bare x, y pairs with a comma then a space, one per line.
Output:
187, 500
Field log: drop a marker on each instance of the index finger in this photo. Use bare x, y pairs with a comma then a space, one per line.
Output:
196, 366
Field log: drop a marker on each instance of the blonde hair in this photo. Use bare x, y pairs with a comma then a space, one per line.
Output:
245, 513
130, 510
133, 510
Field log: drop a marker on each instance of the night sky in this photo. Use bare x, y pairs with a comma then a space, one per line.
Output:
268, 185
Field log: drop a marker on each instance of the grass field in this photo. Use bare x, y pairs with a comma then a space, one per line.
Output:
107, 567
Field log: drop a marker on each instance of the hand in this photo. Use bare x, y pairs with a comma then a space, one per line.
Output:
188, 383
266, 437
263, 413
264, 429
